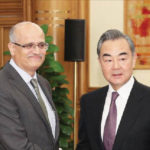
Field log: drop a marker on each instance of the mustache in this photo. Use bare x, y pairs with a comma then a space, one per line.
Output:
38, 55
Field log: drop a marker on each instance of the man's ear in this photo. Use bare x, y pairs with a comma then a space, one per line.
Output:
134, 59
99, 60
11, 48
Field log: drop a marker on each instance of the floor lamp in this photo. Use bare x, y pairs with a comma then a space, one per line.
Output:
75, 52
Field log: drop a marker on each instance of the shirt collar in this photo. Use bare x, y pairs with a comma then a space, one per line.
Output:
25, 76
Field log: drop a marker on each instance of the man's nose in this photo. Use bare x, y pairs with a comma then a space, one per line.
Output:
36, 49
116, 64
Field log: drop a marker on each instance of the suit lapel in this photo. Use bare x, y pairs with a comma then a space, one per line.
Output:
129, 116
17, 81
97, 112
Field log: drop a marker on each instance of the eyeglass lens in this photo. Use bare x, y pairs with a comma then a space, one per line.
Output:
40, 45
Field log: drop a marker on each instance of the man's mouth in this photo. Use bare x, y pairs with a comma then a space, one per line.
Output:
117, 74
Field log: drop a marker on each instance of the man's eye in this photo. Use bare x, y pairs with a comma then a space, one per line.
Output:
122, 59
108, 60
41, 45
29, 46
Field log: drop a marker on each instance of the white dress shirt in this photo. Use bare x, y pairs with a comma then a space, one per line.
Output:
27, 78
121, 101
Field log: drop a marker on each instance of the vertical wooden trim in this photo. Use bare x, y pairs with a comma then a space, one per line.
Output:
27, 10
2, 45
83, 11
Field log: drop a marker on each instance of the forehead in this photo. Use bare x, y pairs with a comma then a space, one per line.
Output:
29, 33
115, 47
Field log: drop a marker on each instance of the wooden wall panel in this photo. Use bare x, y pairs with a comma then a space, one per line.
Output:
5, 47
10, 11
4, 31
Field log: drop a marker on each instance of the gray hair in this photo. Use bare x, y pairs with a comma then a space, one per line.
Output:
114, 34
12, 35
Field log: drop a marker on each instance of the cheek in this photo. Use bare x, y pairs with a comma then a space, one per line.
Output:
19, 55
106, 71
129, 66
44, 53
106, 67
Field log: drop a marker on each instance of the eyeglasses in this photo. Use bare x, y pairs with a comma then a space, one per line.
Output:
29, 46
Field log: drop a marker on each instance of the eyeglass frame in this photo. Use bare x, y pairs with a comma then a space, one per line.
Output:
33, 46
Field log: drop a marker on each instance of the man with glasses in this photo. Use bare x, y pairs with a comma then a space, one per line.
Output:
28, 118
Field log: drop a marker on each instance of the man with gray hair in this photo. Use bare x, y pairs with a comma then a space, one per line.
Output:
28, 117
116, 117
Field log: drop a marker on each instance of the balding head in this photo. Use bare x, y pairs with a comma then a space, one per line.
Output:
22, 27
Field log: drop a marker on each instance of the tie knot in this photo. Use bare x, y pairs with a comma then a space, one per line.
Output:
34, 83
114, 96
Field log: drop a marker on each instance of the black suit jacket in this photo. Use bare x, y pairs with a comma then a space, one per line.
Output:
23, 125
134, 129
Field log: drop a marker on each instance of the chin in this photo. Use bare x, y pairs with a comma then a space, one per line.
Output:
36, 67
37, 64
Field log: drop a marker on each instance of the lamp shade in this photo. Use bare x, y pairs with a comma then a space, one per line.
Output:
74, 40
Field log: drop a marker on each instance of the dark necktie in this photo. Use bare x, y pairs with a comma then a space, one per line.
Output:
39, 97
110, 125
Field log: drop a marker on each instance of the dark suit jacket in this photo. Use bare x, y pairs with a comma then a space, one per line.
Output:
134, 129
23, 125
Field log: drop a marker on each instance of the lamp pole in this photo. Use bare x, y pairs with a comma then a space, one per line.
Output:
74, 104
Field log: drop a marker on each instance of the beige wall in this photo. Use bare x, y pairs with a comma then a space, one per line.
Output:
104, 15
